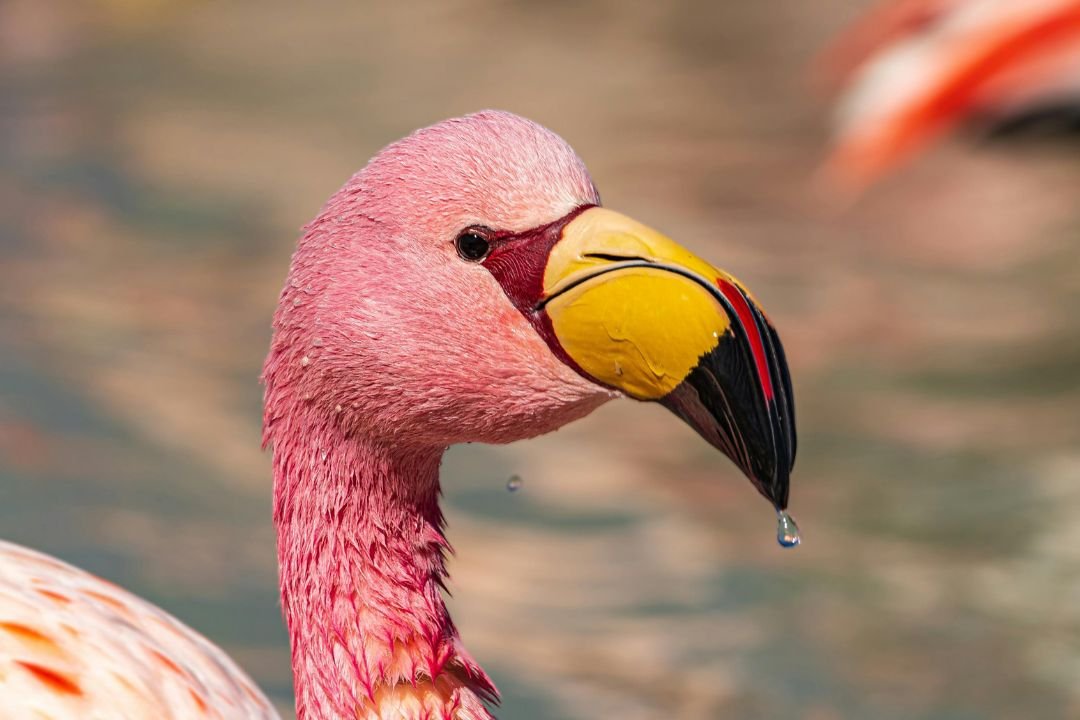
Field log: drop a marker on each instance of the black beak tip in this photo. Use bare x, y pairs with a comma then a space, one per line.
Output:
780, 410
773, 481
777, 478
775, 489
724, 403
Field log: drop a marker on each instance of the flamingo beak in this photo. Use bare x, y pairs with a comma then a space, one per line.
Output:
630, 309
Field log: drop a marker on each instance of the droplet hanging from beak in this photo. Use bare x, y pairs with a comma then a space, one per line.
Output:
787, 532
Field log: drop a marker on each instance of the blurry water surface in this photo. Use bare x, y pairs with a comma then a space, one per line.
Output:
158, 158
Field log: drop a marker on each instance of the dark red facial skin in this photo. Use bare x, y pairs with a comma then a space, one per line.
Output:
517, 261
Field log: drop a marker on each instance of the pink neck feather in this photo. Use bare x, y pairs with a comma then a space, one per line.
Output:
360, 548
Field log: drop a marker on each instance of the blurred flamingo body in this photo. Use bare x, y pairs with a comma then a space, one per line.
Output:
912, 69
433, 301
75, 646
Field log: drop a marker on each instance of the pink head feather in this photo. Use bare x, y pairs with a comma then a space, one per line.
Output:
412, 343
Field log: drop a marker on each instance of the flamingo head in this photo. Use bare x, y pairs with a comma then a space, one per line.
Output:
466, 285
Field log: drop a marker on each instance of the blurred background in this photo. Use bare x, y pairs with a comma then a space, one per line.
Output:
158, 158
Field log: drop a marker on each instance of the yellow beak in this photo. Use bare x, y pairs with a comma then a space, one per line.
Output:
635, 311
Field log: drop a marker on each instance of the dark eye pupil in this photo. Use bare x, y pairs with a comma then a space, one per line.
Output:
471, 246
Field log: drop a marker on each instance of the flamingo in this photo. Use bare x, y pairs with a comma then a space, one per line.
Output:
912, 69
466, 285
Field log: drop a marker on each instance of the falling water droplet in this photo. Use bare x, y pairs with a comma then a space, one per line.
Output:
787, 532
514, 483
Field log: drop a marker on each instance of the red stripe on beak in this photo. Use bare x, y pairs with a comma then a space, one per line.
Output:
738, 301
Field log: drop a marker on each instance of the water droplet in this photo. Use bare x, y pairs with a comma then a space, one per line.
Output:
324, 455
297, 302
305, 361
337, 408
787, 532
317, 342
514, 483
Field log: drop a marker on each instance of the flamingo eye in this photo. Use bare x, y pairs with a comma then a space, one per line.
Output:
472, 246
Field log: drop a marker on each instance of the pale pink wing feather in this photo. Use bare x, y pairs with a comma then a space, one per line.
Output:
75, 646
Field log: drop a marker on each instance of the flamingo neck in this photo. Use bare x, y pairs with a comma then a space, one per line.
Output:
361, 554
